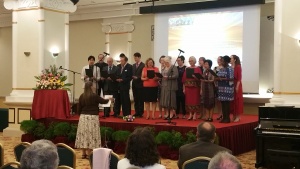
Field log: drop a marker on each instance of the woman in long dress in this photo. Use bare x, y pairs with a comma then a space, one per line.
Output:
191, 89
238, 102
88, 131
208, 90
169, 87
218, 103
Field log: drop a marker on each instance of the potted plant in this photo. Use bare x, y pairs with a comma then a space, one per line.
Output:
163, 139
39, 131
61, 131
190, 137
106, 136
176, 142
72, 135
48, 134
120, 137
28, 126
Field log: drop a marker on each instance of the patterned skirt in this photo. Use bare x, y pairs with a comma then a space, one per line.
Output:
88, 132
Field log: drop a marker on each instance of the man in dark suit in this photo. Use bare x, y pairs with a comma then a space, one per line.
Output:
204, 146
110, 85
101, 64
137, 85
124, 74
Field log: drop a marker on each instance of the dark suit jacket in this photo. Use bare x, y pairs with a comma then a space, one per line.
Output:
198, 148
126, 75
137, 71
110, 85
101, 66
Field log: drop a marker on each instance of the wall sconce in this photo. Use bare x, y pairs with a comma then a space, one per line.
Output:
55, 54
27, 53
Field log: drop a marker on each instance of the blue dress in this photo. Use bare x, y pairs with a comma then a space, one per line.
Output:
226, 88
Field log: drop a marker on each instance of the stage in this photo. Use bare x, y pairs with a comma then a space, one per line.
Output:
238, 137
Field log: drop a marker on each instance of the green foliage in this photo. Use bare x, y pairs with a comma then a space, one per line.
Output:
190, 137
177, 140
121, 135
62, 129
39, 130
164, 137
106, 132
49, 132
28, 126
72, 133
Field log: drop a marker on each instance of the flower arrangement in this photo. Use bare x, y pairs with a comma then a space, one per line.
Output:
51, 79
128, 118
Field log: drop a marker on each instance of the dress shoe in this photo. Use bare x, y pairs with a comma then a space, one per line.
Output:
236, 120
209, 120
220, 117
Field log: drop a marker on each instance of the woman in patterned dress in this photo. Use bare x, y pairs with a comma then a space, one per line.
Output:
238, 102
218, 103
88, 132
225, 88
191, 89
208, 90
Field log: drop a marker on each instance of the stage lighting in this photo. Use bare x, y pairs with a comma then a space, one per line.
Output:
74, 1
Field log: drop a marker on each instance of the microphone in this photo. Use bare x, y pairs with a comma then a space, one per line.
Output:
60, 67
181, 51
106, 53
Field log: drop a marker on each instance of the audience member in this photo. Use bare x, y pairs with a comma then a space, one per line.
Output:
141, 151
204, 146
41, 154
224, 160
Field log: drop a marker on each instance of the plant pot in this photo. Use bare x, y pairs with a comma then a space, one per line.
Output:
60, 139
119, 147
28, 138
72, 144
163, 150
173, 155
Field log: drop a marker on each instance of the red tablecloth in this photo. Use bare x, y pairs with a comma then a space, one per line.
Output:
50, 104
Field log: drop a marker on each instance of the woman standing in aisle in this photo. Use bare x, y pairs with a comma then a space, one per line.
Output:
88, 133
238, 102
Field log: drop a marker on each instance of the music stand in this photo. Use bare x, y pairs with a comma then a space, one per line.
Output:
169, 120
73, 93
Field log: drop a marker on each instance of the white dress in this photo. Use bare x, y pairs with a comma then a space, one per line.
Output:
124, 164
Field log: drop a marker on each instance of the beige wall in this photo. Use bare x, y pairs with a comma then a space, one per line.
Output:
5, 60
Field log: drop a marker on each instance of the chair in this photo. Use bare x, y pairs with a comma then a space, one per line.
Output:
64, 167
11, 165
18, 150
1, 155
114, 159
196, 163
66, 155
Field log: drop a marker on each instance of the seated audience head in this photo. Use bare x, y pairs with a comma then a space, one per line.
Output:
141, 148
41, 154
224, 160
206, 132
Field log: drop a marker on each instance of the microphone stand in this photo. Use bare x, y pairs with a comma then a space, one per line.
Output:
169, 120
73, 94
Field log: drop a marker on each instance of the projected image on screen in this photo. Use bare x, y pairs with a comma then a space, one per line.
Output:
206, 34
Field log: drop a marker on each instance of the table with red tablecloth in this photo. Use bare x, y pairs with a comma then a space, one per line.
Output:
50, 104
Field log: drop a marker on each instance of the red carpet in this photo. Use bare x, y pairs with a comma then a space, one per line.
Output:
238, 137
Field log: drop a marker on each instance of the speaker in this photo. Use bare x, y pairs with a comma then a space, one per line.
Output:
74, 1
3, 119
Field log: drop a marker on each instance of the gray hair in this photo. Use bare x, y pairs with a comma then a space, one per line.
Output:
41, 154
193, 58
224, 160
168, 59
109, 58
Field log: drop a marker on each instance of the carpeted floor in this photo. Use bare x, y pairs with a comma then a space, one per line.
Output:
247, 159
